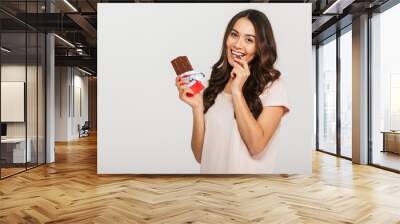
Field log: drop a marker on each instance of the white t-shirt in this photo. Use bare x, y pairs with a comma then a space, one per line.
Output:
224, 151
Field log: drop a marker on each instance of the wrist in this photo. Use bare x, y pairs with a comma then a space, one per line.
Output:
237, 93
196, 108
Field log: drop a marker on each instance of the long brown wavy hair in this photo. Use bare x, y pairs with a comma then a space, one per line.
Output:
262, 70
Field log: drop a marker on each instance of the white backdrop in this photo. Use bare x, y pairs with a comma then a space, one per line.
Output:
143, 127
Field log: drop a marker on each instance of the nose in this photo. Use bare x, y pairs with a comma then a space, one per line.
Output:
238, 43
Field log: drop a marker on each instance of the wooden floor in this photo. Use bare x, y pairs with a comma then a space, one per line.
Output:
70, 191
5, 172
387, 159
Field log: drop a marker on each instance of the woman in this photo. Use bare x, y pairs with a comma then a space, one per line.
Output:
236, 117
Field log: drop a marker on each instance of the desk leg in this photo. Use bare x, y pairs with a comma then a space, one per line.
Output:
384, 142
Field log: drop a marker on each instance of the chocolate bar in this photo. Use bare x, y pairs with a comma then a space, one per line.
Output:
181, 65
184, 69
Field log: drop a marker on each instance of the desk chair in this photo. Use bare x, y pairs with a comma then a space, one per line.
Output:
84, 130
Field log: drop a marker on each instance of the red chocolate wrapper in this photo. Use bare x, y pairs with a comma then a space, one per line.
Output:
182, 65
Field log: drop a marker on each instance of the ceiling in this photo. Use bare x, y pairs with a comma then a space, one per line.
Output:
76, 22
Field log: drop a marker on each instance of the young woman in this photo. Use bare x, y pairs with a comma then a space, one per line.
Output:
237, 116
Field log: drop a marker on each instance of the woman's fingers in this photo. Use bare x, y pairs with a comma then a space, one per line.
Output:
185, 90
242, 64
180, 84
233, 75
179, 81
236, 71
239, 71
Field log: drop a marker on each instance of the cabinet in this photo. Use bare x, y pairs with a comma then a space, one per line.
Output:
391, 141
13, 150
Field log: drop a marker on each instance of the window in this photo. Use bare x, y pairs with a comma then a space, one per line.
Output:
327, 96
22, 77
346, 93
385, 89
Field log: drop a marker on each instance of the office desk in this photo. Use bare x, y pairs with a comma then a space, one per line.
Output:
13, 150
391, 141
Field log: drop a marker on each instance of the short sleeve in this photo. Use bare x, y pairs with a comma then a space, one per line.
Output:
275, 95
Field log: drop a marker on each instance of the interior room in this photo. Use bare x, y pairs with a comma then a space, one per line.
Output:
52, 130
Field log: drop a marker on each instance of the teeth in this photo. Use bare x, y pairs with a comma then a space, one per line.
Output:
237, 54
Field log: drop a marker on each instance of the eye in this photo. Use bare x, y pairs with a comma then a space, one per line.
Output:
250, 40
233, 34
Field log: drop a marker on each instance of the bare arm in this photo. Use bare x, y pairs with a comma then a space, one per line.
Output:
256, 133
198, 132
196, 103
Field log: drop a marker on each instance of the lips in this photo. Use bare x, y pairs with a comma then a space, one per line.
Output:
237, 54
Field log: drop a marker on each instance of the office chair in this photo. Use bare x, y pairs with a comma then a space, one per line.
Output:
84, 130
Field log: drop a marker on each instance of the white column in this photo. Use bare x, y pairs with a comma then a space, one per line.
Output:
50, 92
50, 100
360, 90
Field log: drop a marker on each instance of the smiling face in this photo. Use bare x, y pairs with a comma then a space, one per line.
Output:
241, 41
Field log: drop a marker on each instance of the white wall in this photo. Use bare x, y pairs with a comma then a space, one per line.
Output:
17, 73
80, 84
33, 127
12, 73
142, 125
61, 103
67, 84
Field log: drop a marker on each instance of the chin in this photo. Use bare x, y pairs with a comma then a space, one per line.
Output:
230, 62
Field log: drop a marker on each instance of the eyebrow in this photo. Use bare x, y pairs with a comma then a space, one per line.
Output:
245, 34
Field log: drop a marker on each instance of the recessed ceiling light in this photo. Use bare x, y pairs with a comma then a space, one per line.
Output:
70, 5
5, 50
84, 71
337, 7
64, 40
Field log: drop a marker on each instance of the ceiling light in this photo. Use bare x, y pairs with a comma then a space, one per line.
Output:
70, 5
84, 71
64, 40
337, 7
5, 50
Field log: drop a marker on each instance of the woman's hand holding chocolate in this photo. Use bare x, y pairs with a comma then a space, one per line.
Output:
187, 95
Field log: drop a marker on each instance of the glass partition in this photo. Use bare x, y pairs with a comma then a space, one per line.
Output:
385, 89
13, 110
327, 96
346, 93
33, 73
32, 95
22, 77
41, 107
